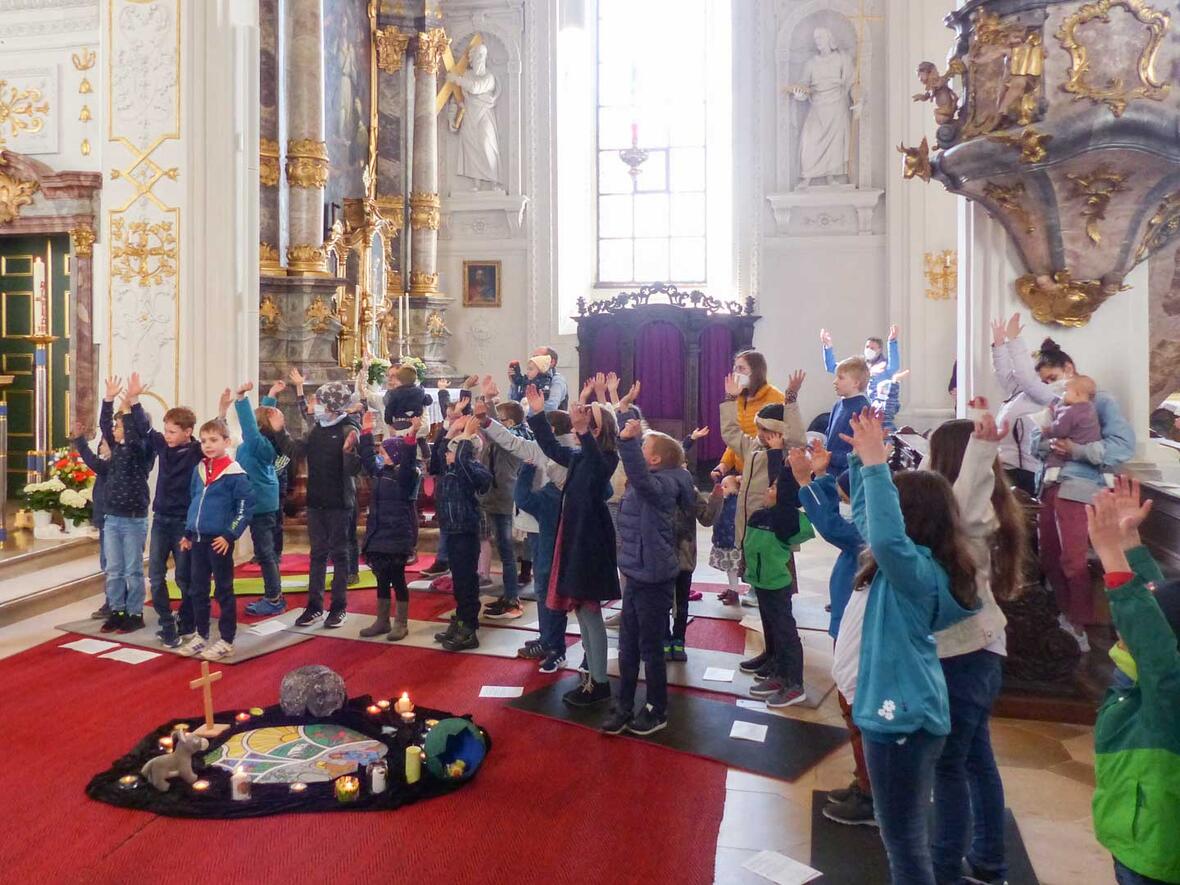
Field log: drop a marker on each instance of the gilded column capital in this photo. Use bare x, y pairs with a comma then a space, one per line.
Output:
82, 242
306, 260
393, 210
307, 163
391, 49
431, 46
422, 283
425, 211
268, 162
268, 259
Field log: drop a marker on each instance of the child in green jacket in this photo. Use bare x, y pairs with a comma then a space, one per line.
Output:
1137, 735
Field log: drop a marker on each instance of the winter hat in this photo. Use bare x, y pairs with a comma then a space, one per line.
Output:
336, 396
544, 363
770, 418
394, 446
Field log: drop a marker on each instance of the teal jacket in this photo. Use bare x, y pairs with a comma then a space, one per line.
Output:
900, 688
1137, 736
257, 457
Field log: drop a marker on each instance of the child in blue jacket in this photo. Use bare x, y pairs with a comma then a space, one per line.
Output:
257, 455
219, 510
920, 578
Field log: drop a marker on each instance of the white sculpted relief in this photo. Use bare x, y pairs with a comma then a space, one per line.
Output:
826, 86
475, 123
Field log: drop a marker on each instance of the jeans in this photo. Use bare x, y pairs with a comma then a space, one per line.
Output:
167, 532
279, 528
552, 621
327, 531
502, 538
102, 553
778, 621
464, 553
262, 533
680, 609
1126, 876
967, 786
390, 571
594, 642
901, 769
123, 540
207, 562
440, 554
641, 635
1062, 536
354, 547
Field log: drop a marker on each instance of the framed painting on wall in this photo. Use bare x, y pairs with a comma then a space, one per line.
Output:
481, 283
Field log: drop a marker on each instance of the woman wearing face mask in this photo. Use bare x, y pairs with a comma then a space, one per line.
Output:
1062, 519
749, 368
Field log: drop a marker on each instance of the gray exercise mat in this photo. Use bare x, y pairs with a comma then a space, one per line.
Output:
247, 645
709, 606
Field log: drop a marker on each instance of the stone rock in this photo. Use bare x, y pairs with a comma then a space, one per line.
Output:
314, 690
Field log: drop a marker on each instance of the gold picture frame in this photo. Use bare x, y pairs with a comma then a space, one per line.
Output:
481, 283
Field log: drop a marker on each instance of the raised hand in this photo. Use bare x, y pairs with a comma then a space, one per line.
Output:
1106, 531
471, 381
77, 430
795, 381
800, 466
633, 429
773, 440
244, 388
311, 401
998, 334
443, 384
587, 391
986, 428
533, 397
277, 388
868, 438
1013, 328
415, 425
1131, 513
825, 337
900, 375
489, 389
893, 332
732, 388
612, 384
600, 387
821, 458
580, 418
223, 401
296, 378
633, 394
473, 426
114, 387
699, 433
134, 388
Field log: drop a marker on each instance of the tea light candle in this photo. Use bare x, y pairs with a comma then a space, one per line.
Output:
239, 785
413, 764
165, 743
128, 781
256, 711
383, 704
348, 789
430, 723
243, 717
404, 704
408, 718
200, 786
373, 710
298, 787
180, 726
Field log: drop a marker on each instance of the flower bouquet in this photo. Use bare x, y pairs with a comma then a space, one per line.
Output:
77, 508
42, 499
69, 467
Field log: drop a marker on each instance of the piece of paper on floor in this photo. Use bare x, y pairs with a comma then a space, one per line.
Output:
718, 674
266, 628
534, 625
501, 691
748, 731
612, 654
89, 646
780, 868
751, 622
747, 704
131, 655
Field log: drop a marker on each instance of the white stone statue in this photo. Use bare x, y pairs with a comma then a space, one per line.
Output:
479, 141
827, 85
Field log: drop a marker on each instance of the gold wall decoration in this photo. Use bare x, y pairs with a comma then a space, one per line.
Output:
1115, 93
22, 110
1011, 199
143, 252
916, 161
431, 46
85, 61
15, 193
82, 242
393, 210
425, 211
268, 162
1002, 72
1029, 142
306, 259
1063, 300
319, 315
268, 258
84, 114
422, 283
268, 312
85, 147
942, 274
1096, 189
307, 163
1161, 227
84, 88
391, 49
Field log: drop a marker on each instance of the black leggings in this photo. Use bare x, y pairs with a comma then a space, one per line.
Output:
390, 570
680, 607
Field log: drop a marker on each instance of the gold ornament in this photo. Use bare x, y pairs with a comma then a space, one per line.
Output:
431, 46
1002, 72
1114, 94
422, 283
307, 163
1096, 189
86, 61
318, 315
1010, 198
425, 211
393, 210
1162, 226
85, 147
391, 49
15, 193
84, 114
1063, 300
143, 252
21, 111
916, 163
84, 88
268, 162
268, 312
942, 274
306, 259
82, 242
268, 259
1030, 143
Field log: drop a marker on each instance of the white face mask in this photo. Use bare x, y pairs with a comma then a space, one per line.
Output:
1058, 386
743, 381
846, 510
870, 355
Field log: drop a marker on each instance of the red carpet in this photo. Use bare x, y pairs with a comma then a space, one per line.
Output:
553, 803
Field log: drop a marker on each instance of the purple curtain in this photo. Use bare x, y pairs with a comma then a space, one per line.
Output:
604, 357
716, 356
659, 367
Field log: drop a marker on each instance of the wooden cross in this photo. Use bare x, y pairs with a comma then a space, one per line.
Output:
453, 90
205, 683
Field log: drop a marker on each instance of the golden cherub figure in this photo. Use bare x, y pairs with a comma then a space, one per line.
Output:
938, 90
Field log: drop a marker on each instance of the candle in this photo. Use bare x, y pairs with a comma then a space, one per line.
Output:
165, 743
383, 704
430, 723
200, 786
378, 776
408, 718
239, 785
298, 787
347, 789
39, 294
413, 764
243, 717
129, 782
180, 726
373, 710
634, 134
404, 704
256, 711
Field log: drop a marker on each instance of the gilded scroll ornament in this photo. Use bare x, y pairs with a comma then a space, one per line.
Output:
391, 49
319, 315
916, 162
143, 252
15, 193
1003, 71
1029, 142
431, 46
85, 61
1096, 189
425, 211
23, 110
268, 312
82, 242
1063, 300
306, 259
942, 274
422, 283
307, 163
268, 258
1161, 227
1011, 198
268, 162
1115, 93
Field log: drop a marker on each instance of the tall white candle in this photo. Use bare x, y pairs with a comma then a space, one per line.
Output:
39, 297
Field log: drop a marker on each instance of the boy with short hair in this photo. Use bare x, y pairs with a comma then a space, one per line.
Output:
220, 505
405, 399
497, 506
851, 384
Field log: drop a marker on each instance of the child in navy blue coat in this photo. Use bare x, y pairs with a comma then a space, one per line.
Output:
851, 384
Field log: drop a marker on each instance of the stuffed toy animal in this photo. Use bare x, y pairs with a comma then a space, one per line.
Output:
178, 763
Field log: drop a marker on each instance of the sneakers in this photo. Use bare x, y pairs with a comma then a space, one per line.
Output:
266, 606
218, 651
102, 613
168, 638
616, 722
309, 617
554, 662
503, 610
677, 655
647, 722
843, 793
728, 597
463, 639
435, 569
767, 688
113, 622
533, 650
335, 619
668, 651
588, 694
750, 600
131, 623
194, 646
754, 664
973, 875
855, 811
446, 634
787, 697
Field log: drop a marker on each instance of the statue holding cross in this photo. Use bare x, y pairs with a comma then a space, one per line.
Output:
475, 91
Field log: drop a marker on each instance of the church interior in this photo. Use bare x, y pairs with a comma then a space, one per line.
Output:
453, 410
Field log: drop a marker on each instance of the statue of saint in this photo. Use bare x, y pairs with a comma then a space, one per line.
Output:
475, 122
827, 85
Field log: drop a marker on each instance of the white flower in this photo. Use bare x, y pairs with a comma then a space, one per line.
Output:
71, 498
886, 710
54, 485
88, 494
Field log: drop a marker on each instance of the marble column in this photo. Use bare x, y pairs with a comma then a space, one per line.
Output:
269, 212
425, 214
307, 154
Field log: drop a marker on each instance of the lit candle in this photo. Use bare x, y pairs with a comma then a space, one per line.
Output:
373, 710
408, 718
165, 743
180, 726
378, 776
383, 704
200, 786
128, 781
239, 785
298, 787
404, 704
243, 717
39, 294
430, 723
348, 789
413, 764
256, 711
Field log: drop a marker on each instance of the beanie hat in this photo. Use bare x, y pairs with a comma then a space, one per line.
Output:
336, 396
770, 418
544, 363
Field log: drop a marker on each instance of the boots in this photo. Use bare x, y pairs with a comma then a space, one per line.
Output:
400, 627
452, 629
381, 625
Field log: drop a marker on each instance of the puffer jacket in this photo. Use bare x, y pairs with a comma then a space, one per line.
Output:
458, 486
220, 506
755, 466
648, 548
392, 524
701, 508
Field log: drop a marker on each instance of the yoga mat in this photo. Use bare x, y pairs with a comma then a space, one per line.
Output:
247, 645
700, 726
808, 611
849, 855
708, 606
290, 584
528, 621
